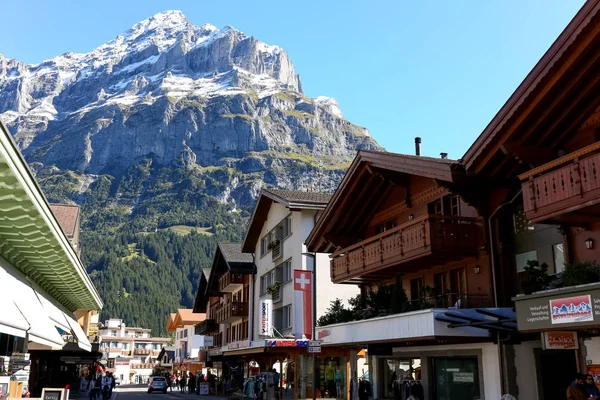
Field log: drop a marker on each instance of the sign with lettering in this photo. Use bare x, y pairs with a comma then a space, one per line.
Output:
286, 343
266, 317
463, 377
55, 394
559, 340
323, 334
314, 349
572, 307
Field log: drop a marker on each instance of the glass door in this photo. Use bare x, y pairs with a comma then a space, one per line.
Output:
456, 378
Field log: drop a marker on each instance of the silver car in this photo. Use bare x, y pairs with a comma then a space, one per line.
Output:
157, 384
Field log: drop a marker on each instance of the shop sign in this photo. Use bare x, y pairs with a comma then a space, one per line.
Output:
266, 317
323, 334
55, 394
558, 340
286, 342
238, 345
568, 308
463, 377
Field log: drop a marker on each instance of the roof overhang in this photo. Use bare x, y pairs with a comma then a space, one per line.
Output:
261, 211
31, 238
201, 297
411, 326
553, 101
368, 178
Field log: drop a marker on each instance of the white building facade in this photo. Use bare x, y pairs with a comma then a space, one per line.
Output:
189, 347
131, 352
279, 227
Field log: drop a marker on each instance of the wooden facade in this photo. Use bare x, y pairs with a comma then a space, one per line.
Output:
414, 225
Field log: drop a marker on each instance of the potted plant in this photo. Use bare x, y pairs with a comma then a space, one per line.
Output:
273, 288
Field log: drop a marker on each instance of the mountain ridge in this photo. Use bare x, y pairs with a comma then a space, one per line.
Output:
170, 125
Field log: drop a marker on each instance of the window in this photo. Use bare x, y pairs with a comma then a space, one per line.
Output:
455, 206
287, 271
263, 246
440, 283
416, 285
280, 232
267, 280
386, 226
559, 258
287, 316
522, 258
458, 282
437, 208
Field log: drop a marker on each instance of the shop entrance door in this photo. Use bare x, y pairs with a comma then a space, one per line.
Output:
456, 378
556, 370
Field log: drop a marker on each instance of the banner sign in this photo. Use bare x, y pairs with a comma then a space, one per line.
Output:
287, 343
558, 340
303, 303
266, 317
572, 307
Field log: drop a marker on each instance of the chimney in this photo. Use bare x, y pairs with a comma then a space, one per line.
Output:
418, 146
444, 155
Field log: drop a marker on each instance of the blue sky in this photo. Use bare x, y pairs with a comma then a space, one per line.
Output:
438, 69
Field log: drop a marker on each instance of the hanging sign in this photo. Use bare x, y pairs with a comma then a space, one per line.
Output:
266, 317
559, 340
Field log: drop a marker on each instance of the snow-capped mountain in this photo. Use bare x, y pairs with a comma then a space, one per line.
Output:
175, 92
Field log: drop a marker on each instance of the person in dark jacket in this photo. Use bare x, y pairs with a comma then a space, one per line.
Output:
576, 390
590, 387
192, 383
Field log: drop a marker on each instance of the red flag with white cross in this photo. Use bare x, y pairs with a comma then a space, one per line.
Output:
303, 302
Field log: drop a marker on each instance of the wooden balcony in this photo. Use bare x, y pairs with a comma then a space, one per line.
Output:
231, 312
419, 244
142, 351
141, 366
230, 282
565, 190
206, 326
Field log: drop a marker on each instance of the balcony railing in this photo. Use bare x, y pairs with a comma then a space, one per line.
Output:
418, 244
277, 250
277, 296
230, 282
142, 351
141, 366
452, 300
230, 312
564, 185
206, 326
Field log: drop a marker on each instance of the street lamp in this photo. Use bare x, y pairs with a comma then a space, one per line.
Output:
314, 318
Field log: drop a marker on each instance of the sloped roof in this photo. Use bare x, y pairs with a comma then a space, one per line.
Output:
66, 215
561, 87
232, 253
171, 327
298, 196
366, 163
187, 316
292, 199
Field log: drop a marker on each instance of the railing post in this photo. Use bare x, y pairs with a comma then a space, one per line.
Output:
381, 250
364, 257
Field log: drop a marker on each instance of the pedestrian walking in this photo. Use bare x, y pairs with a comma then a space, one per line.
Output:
576, 390
192, 383
106, 382
183, 382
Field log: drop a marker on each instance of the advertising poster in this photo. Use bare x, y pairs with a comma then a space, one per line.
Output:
572, 309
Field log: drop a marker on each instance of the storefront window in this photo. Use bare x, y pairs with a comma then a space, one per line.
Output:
456, 378
398, 372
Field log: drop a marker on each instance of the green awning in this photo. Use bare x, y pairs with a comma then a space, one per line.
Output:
31, 239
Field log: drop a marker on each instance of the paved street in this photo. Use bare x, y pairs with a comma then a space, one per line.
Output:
138, 392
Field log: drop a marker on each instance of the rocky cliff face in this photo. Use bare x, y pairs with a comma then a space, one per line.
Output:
177, 94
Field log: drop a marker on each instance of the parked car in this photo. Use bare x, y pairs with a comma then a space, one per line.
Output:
157, 384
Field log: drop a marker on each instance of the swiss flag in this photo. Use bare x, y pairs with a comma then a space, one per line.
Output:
303, 302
